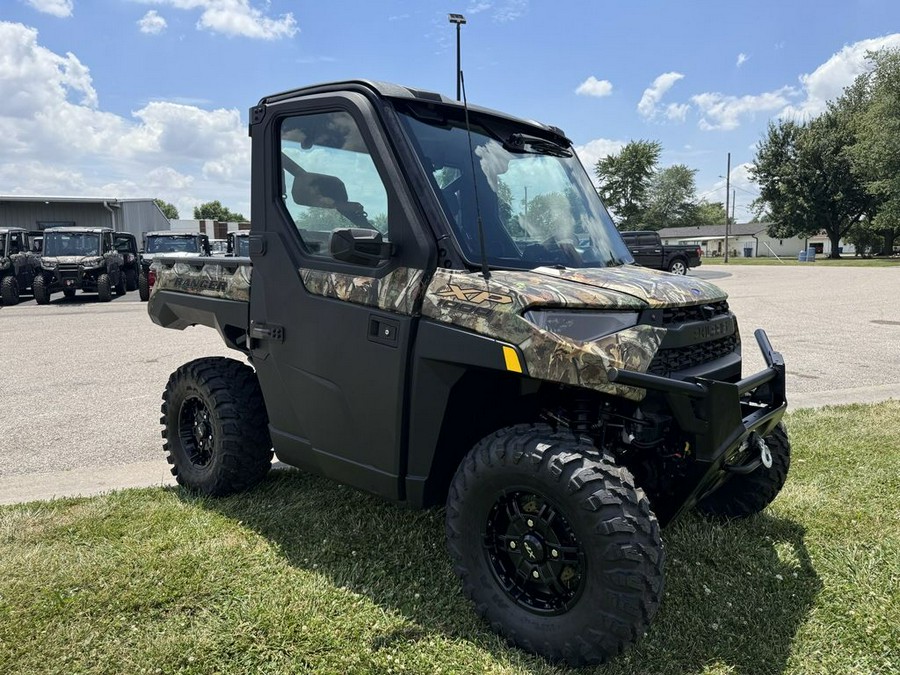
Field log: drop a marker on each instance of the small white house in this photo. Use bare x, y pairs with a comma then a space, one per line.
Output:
745, 240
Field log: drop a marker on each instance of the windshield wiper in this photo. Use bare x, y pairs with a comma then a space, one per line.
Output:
536, 145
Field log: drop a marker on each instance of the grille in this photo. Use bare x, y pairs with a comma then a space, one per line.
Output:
671, 360
693, 313
68, 271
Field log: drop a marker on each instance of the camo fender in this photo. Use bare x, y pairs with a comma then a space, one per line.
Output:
494, 308
211, 280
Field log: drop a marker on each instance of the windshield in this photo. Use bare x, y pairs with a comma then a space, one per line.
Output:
218, 246
242, 247
71, 243
2, 245
537, 205
186, 244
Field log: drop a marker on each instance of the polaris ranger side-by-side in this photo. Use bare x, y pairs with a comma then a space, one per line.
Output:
79, 258
417, 330
18, 263
168, 243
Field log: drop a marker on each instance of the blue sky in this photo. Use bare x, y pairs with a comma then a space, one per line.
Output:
136, 98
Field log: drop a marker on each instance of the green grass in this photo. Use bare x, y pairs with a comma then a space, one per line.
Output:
303, 575
820, 261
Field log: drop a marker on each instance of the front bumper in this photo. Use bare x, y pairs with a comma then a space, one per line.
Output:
720, 416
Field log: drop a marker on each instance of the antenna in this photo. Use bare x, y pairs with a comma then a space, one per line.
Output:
485, 272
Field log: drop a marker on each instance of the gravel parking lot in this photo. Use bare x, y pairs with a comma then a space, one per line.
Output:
82, 380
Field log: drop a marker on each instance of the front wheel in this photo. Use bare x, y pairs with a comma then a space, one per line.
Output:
143, 287
555, 544
104, 288
216, 427
678, 266
40, 290
746, 494
9, 290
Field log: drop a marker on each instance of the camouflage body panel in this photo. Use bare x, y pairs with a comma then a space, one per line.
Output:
494, 308
212, 280
398, 291
657, 289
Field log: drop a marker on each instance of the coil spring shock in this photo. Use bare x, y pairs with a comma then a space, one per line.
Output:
583, 416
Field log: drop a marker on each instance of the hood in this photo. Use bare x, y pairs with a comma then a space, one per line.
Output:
173, 254
75, 259
657, 289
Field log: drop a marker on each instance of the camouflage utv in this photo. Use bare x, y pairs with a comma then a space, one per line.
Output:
417, 329
79, 258
18, 264
171, 244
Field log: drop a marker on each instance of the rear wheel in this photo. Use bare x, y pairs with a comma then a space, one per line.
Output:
9, 290
746, 494
120, 285
143, 287
216, 427
555, 544
131, 280
41, 290
678, 266
104, 288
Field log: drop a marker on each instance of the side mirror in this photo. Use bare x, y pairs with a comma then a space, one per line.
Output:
360, 246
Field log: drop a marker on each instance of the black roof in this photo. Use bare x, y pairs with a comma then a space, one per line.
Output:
69, 228
398, 91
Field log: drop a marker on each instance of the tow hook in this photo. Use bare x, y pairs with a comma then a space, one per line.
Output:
765, 455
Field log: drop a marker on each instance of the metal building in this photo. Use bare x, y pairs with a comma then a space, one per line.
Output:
123, 215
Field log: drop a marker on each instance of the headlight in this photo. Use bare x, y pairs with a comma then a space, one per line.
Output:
4, 263
584, 326
91, 263
49, 263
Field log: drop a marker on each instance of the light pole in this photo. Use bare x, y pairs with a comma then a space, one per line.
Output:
459, 20
727, 195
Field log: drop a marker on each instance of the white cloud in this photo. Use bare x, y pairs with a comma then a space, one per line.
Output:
648, 107
723, 112
478, 7
594, 87
828, 81
677, 112
593, 151
152, 23
742, 58
60, 8
56, 139
236, 18
510, 10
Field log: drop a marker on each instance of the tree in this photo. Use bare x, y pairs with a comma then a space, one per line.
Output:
670, 198
806, 179
169, 210
624, 180
215, 211
874, 102
707, 213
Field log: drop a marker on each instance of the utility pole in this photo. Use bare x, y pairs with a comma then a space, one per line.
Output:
727, 195
459, 20
733, 203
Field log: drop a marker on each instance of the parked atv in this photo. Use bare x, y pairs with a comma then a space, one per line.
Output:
18, 264
171, 244
415, 330
79, 258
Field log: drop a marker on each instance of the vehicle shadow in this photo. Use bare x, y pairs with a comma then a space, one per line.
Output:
82, 299
736, 593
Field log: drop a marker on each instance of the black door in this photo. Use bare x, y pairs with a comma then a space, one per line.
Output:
331, 339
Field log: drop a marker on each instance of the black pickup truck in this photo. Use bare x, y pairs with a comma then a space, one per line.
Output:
649, 251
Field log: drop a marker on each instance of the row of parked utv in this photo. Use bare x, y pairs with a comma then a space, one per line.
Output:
93, 260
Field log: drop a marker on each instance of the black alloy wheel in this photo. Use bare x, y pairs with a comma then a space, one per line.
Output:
195, 429
534, 553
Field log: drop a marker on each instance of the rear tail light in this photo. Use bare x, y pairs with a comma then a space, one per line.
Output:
151, 278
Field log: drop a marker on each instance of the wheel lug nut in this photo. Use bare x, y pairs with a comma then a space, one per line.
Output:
536, 574
530, 522
554, 553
